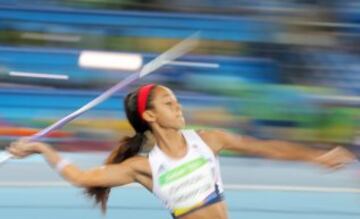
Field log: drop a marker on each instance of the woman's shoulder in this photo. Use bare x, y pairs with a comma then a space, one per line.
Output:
211, 134
138, 160
137, 163
212, 137
142, 170
140, 164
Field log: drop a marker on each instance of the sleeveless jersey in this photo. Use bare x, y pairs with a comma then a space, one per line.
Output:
188, 183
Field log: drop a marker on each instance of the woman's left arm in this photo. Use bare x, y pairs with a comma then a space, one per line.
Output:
275, 149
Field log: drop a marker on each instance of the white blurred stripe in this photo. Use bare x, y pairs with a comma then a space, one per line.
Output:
194, 64
50, 37
110, 60
291, 188
237, 187
38, 75
340, 98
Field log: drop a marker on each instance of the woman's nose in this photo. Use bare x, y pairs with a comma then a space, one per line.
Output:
178, 106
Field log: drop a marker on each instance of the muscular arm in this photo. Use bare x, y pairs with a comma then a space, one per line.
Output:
275, 149
107, 175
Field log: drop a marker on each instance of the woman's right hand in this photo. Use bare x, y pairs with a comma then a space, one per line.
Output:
23, 148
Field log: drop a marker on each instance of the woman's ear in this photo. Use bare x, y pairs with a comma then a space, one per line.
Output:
149, 116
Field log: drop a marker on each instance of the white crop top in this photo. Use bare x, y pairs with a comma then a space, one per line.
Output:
189, 183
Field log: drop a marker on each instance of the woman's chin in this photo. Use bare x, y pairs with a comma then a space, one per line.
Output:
180, 125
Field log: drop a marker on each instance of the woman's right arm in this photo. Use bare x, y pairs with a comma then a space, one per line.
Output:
103, 176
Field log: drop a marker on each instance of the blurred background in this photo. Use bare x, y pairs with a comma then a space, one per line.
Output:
286, 69
272, 69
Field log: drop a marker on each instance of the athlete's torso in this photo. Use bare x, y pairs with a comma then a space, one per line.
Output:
190, 185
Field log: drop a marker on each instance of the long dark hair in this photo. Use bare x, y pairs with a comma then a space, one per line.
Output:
128, 146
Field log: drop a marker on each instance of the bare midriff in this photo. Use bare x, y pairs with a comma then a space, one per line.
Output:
213, 211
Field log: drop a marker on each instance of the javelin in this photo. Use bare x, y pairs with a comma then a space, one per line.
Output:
173, 53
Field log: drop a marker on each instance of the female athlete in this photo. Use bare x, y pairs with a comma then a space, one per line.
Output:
182, 168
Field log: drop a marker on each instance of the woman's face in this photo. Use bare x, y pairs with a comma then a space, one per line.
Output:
166, 109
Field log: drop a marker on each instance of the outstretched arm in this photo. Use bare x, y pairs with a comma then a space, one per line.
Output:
275, 149
104, 176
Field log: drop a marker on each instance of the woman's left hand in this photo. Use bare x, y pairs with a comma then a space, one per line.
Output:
336, 158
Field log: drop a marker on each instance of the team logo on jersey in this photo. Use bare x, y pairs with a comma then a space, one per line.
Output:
161, 169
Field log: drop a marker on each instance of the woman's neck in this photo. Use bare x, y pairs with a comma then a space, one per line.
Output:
171, 142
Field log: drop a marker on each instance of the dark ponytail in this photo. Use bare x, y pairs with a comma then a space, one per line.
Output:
128, 146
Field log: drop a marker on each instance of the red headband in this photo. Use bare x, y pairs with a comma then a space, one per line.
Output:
142, 98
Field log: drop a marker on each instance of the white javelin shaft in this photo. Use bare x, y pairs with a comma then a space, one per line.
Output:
60, 123
171, 54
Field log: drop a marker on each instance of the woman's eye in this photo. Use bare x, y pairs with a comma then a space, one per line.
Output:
168, 103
